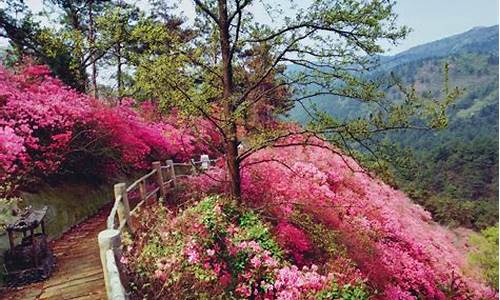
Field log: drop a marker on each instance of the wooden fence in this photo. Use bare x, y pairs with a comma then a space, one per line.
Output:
153, 186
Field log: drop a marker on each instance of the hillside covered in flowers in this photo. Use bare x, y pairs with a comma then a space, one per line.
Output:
93, 93
312, 224
321, 210
48, 131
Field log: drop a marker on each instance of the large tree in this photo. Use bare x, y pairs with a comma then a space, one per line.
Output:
240, 64
325, 48
69, 44
116, 29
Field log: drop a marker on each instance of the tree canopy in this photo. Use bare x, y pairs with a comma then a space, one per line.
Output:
333, 43
237, 72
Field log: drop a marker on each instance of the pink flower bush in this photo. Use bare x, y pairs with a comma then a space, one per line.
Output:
293, 239
220, 251
292, 283
12, 151
392, 241
43, 114
47, 129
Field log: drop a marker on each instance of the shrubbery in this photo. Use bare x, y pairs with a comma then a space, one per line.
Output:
378, 231
217, 250
486, 254
47, 130
320, 207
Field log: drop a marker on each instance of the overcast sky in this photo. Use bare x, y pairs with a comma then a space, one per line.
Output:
435, 19
430, 19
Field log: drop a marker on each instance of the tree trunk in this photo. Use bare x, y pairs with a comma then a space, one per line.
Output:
231, 142
92, 50
119, 72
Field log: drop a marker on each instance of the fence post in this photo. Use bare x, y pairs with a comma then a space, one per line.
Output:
123, 208
142, 190
205, 161
193, 167
109, 239
159, 179
117, 290
170, 163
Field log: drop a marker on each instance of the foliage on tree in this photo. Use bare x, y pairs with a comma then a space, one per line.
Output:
222, 76
28, 37
117, 28
78, 31
156, 42
82, 34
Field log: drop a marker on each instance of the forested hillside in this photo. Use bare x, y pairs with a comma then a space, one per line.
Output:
453, 172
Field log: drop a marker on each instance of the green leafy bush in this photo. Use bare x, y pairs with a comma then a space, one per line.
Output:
486, 254
346, 292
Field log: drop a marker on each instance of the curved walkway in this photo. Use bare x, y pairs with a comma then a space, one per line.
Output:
78, 272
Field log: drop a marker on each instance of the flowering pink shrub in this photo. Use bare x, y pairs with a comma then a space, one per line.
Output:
291, 283
220, 251
294, 240
184, 135
12, 151
393, 242
47, 129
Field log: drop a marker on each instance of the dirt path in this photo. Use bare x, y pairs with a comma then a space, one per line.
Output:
78, 273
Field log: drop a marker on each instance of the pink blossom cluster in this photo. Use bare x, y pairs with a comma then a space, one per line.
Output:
289, 282
192, 254
295, 240
47, 128
292, 283
251, 280
392, 241
264, 277
12, 151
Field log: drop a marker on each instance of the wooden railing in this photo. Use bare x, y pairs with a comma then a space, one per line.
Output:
152, 186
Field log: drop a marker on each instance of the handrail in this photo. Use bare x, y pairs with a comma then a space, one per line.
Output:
153, 192
143, 178
110, 221
117, 290
109, 239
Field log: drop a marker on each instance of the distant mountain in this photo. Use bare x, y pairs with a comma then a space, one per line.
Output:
477, 40
461, 161
473, 61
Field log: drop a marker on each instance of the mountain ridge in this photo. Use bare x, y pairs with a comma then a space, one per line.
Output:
467, 41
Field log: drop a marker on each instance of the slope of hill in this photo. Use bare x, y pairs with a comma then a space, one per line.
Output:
462, 157
477, 40
325, 215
